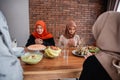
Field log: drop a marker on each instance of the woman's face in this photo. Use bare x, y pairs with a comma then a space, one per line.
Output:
39, 29
71, 30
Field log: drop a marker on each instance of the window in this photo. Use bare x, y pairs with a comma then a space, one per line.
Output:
118, 7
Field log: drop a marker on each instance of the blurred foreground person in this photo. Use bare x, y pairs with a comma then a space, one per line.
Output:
10, 68
106, 64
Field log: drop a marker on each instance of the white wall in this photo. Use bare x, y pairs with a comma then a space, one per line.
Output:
17, 16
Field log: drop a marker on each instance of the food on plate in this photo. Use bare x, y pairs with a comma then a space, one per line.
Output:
52, 51
93, 49
54, 47
30, 58
36, 47
33, 56
82, 51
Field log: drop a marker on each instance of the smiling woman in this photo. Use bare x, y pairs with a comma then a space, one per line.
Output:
70, 38
40, 35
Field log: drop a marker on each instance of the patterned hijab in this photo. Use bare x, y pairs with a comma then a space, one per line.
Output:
71, 23
106, 31
45, 34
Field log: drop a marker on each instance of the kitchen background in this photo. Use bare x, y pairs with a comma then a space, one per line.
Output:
21, 15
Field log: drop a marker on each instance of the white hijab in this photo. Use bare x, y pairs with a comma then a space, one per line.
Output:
10, 68
106, 31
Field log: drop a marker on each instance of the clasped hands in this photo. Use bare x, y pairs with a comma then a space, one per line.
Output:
71, 43
38, 41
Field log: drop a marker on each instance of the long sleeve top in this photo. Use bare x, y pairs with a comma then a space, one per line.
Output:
93, 70
46, 42
63, 41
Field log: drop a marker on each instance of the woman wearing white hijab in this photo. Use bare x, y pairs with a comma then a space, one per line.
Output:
106, 31
10, 68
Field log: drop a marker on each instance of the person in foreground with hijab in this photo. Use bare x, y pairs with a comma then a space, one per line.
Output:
41, 35
69, 38
106, 64
10, 68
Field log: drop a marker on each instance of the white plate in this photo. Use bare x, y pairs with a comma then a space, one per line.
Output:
36, 47
74, 53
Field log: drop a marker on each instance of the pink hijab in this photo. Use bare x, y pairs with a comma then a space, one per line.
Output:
106, 31
70, 23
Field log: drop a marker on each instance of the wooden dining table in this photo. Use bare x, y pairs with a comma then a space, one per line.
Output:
66, 65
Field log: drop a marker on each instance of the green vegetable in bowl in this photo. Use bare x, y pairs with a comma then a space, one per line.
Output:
95, 50
31, 58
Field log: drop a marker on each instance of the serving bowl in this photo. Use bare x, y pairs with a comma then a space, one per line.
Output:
93, 49
32, 58
36, 47
116, 64
52, 52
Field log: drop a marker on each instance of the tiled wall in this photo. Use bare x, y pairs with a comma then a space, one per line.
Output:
56, 12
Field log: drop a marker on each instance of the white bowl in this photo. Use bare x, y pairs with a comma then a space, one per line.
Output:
18, 51
32, 58
116, 65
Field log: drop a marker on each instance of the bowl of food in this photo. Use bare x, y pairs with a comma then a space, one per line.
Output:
81, 51
32, 58
52, 51
36, 47
18, 51
93, 49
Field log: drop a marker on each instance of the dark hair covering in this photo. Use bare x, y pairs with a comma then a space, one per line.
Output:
71, 23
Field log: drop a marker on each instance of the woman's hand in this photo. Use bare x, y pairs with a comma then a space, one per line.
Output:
71, 42
38, 41
88, 54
